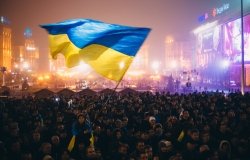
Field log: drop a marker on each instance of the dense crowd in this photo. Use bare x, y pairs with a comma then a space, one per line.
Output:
143, 126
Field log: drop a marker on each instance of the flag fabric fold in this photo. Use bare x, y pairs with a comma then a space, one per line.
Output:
108, 48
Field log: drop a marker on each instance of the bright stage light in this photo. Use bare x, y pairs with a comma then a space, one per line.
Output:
26, 65
136, 73
30, 48
225, 63
173, 64
82, 69
155, 65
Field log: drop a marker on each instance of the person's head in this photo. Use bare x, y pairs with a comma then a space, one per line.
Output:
144, 136
15, 146
243, 116
158, 129
178, 156
60, 126
149, 151
36, 136
225, 146
55, 140
118, 134
214, 155
90, 152
63, 135
37, 123
205, 137
123, 149
26, 156
151, 132
65, 155
165, 146
137, 134
212, 106
14, 129
143, 156
206, 128
223, 127
97, 129
191, 146
185, 115
46, 148
118, 123
231, 114
173, 120
152, 120
47, 157
81, 118
47, 122
140, 145
194, 134
125, 121
59, 119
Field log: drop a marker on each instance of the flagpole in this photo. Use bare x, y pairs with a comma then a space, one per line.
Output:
116, 85
242, 51
113, 92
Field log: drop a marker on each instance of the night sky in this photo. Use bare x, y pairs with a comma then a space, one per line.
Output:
165, 17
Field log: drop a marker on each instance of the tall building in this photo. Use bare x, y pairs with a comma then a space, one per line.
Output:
27, 55
141, 59
5, 43
219, 44
178, 56
31, 54
57, 64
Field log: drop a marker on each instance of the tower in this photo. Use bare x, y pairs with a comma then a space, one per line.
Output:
5, 43
29, 54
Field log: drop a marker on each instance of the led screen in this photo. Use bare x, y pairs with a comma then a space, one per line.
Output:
209, 40
232, 39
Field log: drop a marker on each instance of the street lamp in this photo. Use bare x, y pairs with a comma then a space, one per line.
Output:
242, 50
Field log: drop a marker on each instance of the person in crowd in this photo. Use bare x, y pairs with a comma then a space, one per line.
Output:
139, 149
166, 150
81, 129
122, 152
45, 150
225, 150
91, 154
192, 145
56, 148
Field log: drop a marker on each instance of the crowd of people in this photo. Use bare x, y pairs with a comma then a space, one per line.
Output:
142, 126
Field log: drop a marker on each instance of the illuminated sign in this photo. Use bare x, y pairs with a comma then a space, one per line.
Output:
203, 17
215, 12
28, 33
220, 10
4, 20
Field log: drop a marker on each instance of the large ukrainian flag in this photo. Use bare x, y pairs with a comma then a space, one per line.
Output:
108, 48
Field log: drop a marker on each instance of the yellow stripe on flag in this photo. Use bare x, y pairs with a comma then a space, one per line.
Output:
105, 61
92, 139
71, 143
181, 136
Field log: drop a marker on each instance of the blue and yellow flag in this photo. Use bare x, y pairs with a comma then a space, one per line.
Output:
108, 48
